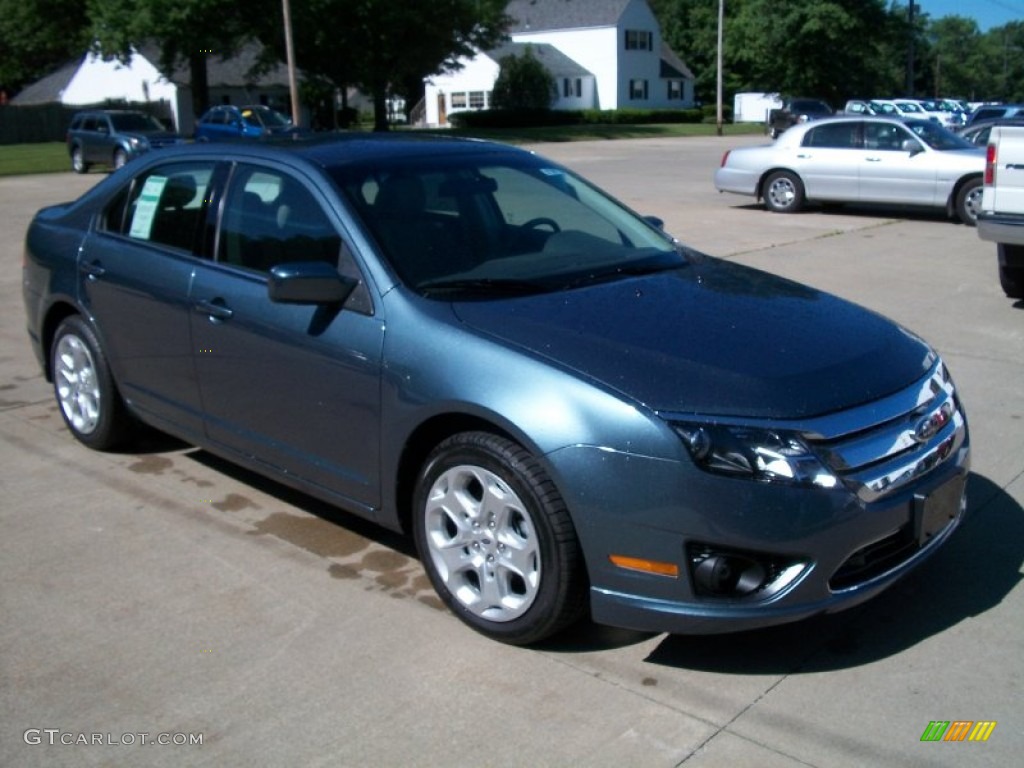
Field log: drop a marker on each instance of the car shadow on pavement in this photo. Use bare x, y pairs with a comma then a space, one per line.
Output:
976, 569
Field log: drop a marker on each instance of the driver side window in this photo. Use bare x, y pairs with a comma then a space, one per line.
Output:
270, 218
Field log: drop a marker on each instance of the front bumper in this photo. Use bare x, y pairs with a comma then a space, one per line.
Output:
809, 550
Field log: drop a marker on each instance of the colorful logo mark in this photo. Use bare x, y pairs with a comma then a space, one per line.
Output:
958, 730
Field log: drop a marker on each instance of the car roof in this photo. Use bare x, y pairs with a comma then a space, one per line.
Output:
338, 149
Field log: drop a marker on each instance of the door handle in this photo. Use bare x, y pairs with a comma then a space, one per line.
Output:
92, 270
215, 308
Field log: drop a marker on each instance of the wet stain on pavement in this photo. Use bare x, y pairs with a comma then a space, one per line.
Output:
312, 534
234, 502
151, 465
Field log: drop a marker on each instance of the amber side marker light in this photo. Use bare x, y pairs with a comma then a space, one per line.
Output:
646, 566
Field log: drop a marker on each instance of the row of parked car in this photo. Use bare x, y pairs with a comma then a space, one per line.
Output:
954, 114
113, 137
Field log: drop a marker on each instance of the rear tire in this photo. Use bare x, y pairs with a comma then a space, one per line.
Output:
783, 192
1011, 269
89, 401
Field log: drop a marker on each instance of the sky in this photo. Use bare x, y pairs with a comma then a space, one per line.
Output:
988, 13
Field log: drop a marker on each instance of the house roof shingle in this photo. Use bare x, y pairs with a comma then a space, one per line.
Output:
47, 90
554, 61
539, 15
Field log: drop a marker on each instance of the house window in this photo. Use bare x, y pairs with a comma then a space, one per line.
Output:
675, 90
638, 90
639, 40
459, 100
572, 87
476, 99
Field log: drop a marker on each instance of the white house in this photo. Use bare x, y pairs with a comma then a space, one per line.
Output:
603, 54
92, 81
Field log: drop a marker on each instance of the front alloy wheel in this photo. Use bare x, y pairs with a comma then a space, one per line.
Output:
496, 540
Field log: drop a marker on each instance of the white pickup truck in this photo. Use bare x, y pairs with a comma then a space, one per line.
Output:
1001, 218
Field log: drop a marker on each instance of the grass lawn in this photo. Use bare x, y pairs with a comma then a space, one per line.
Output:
52, 157
19, 159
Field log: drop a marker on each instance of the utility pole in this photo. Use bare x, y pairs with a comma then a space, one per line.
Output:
721, 18
289, 48
911, 10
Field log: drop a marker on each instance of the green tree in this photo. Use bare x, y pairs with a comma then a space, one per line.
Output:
186, 32
833, 49
690, 27
523, 83
388, 46
954, 59
38, 36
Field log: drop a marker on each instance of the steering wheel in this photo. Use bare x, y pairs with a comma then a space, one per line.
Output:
542, 221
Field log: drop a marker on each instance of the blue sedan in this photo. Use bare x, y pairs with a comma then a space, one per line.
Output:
571, 412
249, 122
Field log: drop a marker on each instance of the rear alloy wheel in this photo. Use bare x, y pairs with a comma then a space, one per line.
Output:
496, 540
968, 201
84, 388
783, 192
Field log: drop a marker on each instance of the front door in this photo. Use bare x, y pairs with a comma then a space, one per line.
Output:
294, 387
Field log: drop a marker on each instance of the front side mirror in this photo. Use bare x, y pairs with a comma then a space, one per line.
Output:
913, 146
308, 282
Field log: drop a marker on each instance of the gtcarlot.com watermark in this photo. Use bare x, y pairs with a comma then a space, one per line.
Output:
58, 737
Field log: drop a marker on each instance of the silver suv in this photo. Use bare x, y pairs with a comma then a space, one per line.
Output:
113, 137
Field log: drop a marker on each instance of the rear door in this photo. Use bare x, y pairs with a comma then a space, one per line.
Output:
135, 272
828, 161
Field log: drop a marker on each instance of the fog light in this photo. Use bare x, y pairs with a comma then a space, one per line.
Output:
725, 575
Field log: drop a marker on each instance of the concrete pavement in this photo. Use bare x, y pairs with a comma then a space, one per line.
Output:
165, 593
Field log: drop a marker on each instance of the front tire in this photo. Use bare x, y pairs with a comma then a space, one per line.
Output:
783, 192
968, 201
120, 158
496, 539
84, 388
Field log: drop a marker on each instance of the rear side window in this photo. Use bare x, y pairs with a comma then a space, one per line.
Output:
164, 205
834, 136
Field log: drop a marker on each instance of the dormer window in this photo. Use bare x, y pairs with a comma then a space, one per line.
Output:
639, 40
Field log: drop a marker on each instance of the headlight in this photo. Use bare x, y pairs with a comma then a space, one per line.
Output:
136, 143
755, 454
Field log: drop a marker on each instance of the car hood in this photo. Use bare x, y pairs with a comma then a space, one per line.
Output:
713, 338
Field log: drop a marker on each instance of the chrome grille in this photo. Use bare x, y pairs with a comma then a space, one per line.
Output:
878, 449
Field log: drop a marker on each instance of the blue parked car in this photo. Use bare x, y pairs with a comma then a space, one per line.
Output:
569, 410
251, 122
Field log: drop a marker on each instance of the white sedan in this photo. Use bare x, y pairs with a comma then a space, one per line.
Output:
860, 159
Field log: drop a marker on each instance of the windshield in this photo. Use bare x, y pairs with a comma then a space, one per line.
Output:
937, 137
482, 225
264, 117
136, 122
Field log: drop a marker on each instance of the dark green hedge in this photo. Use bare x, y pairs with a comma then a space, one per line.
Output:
501, 118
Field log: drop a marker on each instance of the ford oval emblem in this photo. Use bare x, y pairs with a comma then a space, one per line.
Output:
933, 423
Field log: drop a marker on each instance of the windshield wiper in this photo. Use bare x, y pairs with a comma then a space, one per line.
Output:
486, 285
660, 263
